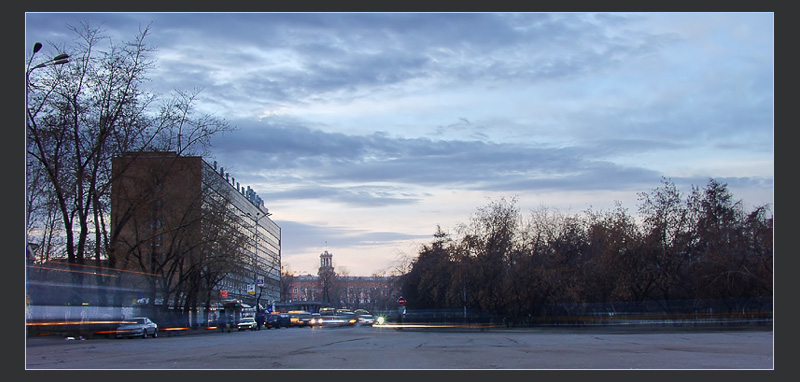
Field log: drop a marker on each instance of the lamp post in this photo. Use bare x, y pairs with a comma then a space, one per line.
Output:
259, 216
60, 59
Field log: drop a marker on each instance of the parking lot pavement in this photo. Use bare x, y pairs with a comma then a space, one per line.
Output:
377, 348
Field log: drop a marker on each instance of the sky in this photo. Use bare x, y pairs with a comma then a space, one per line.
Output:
364, 132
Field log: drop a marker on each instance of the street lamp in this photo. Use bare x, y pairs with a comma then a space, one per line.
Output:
259, 216
60, 59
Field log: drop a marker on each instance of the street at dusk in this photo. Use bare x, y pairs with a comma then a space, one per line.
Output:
399, 190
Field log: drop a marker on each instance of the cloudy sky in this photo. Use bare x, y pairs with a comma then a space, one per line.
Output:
364, 131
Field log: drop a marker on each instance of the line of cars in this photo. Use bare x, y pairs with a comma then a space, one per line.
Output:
294, 318
327, 317
345, 317
277, 320
273, 320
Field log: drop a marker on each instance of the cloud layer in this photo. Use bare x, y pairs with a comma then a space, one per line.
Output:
366, 129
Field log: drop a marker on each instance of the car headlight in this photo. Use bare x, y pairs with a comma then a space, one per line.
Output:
379, 320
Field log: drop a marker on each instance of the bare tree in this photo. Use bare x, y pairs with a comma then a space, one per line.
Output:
684, 254
615, 271
328, 286
287, 280
490, 238
220, 242
428, 284
83, 114
668, 226
727, 254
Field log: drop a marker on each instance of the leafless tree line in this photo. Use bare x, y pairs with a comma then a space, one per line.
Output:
82, 115
679, 253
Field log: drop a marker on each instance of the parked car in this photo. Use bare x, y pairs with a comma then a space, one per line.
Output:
247, 323
137, 327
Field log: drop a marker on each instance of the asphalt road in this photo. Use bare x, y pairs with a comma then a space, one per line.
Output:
362, 348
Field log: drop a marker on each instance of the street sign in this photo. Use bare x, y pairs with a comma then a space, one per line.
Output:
401, 300
251, 288
260, 281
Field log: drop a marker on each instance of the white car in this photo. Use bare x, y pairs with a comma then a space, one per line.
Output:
365, 317
247, 323
137, 327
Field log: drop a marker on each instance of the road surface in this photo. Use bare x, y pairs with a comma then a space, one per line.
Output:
380, 349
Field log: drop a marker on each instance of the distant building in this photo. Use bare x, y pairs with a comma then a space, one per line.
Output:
160, 208
329, 289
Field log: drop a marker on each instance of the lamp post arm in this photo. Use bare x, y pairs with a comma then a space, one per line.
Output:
60, 59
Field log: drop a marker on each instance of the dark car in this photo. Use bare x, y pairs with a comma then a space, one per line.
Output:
278, 320
271, 321
137, 327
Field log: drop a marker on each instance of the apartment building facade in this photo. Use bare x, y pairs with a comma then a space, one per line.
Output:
195, 236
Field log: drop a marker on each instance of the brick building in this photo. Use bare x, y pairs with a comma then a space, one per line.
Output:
180, 218
353, 292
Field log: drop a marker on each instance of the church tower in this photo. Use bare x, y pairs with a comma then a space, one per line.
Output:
327, 277
325, 262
